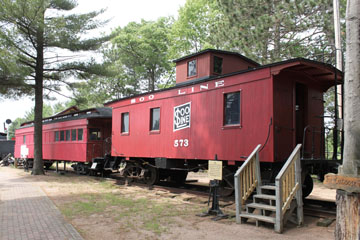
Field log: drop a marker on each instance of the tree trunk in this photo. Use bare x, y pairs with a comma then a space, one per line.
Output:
348, 215
351, 162
152, 80
38, 167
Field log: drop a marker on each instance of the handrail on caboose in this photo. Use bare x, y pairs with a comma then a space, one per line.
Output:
246, 179
288, 186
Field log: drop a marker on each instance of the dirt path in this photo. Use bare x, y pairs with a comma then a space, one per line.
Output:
100, 209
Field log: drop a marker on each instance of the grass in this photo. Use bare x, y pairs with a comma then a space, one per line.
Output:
93, 201
134, 213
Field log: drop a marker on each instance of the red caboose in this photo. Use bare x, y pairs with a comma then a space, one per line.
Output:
224, 104
74, 137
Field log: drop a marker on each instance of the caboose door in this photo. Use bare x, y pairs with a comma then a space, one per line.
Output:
95, 143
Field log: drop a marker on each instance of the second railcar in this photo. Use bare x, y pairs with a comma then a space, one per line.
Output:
73, 137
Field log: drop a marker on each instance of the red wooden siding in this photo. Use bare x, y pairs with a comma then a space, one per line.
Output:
268, 101
206, 136
289, 123
205, 65
202, 68
80, 150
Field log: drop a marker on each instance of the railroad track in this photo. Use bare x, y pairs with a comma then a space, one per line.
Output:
320, 208
171, 187
312, 207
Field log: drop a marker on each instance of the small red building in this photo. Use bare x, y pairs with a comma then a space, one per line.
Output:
225, 104
71, 136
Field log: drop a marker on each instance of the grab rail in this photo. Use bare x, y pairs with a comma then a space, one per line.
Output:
246, 179
288, 185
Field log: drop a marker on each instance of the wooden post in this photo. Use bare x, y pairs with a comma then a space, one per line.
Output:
57, 166
347, 215
347, 205
279, 215
238, 199
258, 173
299, 197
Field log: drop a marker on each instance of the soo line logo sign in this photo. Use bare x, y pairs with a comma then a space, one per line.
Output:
182, 116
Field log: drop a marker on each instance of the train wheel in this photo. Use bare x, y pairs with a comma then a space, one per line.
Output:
151, 175
47, 165
307, 186
227, 184
131, 172
81, 168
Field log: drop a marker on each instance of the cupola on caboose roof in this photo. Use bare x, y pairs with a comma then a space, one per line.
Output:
209, 63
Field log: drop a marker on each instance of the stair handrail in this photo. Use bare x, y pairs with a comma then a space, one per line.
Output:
288, 186
6, 157
246, 179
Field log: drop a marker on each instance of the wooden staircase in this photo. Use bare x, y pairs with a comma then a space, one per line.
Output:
263, 207
275, 204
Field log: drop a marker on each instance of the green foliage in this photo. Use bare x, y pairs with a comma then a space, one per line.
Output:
137, 60
269, 31
32, 32
266, 31
11, 74
15, 125
29, 116
141, 52
191, 31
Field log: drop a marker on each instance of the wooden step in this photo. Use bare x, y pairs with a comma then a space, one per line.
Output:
268, 187
265, 196
258, 217
261, 206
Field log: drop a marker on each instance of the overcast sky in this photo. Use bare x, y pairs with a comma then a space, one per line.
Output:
120, 12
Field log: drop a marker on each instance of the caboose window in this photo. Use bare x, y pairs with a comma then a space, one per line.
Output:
191, 68
232, 108
94, 134
57, 136
73, 135
62, 135
154, 119
24, 139
218, 64
125, 122
67, 135
80, 134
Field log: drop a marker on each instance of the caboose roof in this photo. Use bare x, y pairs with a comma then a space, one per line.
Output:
322, 73
217, 51
68, 110
101, 112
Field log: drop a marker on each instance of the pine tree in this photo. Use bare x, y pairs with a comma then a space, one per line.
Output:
269, 31
40, 36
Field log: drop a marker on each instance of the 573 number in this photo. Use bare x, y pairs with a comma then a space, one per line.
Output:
181, 143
